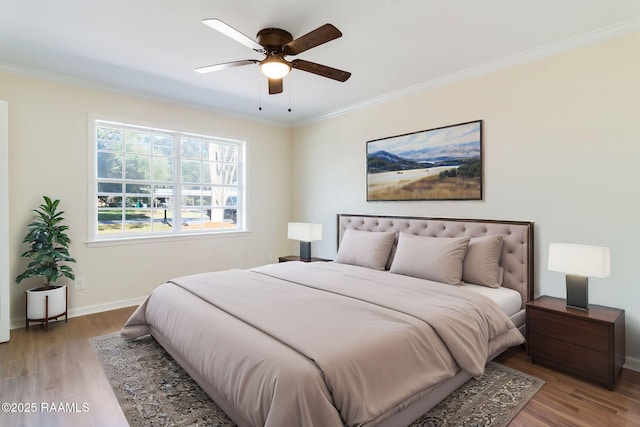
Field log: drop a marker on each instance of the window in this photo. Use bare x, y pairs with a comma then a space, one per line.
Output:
151, 182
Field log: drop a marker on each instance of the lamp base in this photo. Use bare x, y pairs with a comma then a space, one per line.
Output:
305, 251
577, 292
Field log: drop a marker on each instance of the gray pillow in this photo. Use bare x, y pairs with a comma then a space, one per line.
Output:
432, 258
365, 248
480, 264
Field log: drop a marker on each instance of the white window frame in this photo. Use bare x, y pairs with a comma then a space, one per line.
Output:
94, 238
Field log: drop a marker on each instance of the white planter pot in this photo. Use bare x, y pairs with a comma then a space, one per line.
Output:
47, 304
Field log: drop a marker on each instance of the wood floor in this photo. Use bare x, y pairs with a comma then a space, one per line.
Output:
60, 367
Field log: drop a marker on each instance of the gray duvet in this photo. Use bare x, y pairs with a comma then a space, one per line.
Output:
322, 344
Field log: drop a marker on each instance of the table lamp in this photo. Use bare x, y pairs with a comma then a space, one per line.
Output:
579, 262
306, 233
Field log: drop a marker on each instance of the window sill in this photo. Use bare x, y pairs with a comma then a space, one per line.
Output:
142, 240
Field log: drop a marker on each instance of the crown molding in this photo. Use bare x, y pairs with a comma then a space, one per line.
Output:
593, 37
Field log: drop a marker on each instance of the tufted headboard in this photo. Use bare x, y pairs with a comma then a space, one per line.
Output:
517, 248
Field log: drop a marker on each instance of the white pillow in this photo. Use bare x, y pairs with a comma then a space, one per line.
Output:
480, 264
432, 258
365, 248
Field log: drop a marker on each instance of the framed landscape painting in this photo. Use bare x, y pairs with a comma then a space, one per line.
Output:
444, 163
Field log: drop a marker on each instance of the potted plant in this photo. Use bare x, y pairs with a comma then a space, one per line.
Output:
49, 253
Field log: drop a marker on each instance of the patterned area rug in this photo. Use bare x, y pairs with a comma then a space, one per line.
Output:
153, 390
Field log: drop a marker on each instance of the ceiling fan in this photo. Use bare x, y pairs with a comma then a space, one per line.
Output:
275, 44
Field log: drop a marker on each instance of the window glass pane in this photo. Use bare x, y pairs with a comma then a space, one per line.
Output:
190, 171
213, 215
211, 151
109, 165
231, 153
109, 139
207, 199
137, 221
231, 206
105, 201
217, 196
190, 148
110, 201
230, 174
230, 198
163, 145
212, 220
191, 196
138, 142
163, 196
139, 188
109, 187
138, 202
207, 196
162, 169
109, 221
162, 220
192, 219
138, 167
230, 218
208, 172
223, 177
217, 218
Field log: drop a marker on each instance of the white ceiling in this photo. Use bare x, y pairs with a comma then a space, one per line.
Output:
150, 47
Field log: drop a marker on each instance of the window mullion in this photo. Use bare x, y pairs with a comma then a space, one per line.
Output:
177, 185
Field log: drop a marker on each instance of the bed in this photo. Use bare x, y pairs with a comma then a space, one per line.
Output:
408, 312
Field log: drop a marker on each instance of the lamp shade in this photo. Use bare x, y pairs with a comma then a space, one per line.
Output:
580, 260
304, 231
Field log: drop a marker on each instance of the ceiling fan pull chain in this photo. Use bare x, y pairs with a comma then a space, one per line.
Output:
259, 90
289, 93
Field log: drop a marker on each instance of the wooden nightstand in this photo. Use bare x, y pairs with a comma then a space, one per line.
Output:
586, 343
297, 258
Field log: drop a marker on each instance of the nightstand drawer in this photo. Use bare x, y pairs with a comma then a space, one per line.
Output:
591, 335
570, 356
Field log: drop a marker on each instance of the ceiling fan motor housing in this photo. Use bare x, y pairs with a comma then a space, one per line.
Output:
272, 39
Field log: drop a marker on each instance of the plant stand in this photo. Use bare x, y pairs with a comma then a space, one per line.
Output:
47, 315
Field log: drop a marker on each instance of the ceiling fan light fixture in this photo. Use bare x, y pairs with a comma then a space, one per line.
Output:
275, 67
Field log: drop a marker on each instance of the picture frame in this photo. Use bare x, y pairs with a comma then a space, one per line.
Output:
444, 163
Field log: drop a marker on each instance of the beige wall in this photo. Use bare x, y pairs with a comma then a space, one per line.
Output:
48, 154
561, 148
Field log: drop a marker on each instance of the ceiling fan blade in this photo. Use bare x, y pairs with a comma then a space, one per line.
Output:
225, 65
319, 36
275, 86
321, 70
231, 32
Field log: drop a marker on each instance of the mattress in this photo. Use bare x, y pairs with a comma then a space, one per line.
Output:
509, 300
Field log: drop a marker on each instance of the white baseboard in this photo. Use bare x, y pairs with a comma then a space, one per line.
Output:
89, 309
632, 363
